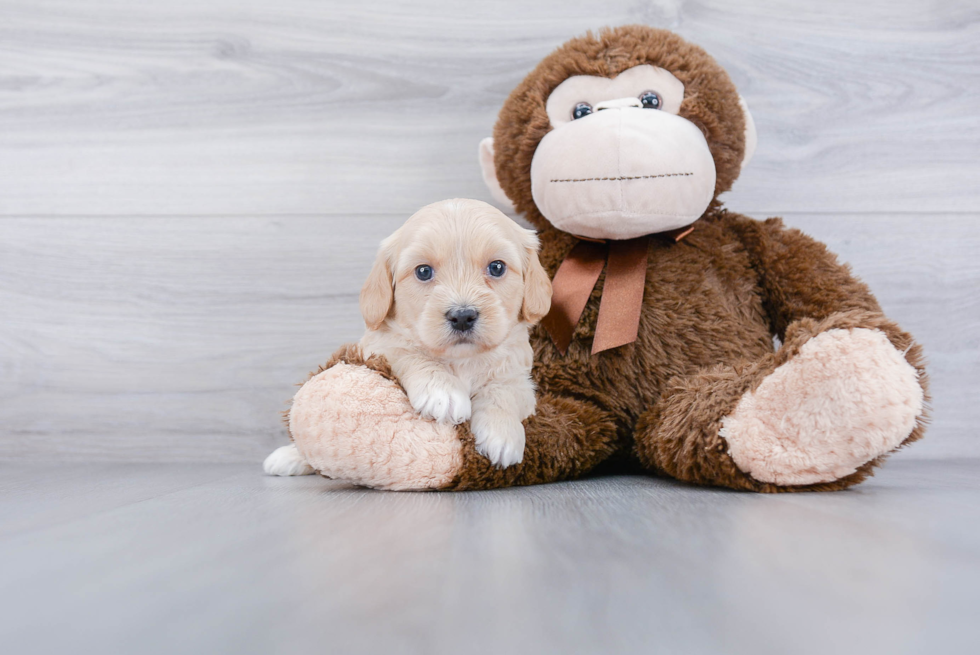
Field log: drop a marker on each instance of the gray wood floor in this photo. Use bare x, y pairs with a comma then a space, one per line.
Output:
156, 558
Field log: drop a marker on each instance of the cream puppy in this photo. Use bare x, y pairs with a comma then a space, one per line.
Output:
449, 303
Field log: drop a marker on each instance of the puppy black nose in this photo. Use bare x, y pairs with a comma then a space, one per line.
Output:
462, 319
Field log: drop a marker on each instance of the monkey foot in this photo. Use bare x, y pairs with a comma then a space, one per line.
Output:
845, 399
351, 423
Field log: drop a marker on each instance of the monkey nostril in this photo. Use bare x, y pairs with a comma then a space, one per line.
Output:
462, 319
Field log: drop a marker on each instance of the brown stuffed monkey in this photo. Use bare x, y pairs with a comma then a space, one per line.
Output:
658, 352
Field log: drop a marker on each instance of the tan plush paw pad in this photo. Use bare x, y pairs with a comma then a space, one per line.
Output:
352, 424
846, 398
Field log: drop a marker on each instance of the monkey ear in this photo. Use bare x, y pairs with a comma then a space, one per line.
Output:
378, 292
537, 284
751, 138
490, 176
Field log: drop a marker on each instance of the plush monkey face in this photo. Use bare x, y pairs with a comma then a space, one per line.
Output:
619, 162
631, 133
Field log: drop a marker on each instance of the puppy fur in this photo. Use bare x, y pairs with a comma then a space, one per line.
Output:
482, 375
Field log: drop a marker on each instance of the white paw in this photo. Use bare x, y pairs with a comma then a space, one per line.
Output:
443, 405
286, 461
498, 438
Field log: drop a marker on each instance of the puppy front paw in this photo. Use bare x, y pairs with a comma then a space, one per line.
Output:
498, 438
442, 404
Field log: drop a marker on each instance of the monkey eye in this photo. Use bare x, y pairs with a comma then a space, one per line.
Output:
423, 272
650, 100
581, 109
497, 268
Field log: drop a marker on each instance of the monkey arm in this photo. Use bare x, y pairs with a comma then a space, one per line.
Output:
352, 421
801, 280
565, 438
807, 291
846, 387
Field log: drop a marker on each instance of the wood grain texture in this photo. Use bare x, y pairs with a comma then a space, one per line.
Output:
219, 559
230, 108
181, 338
191, 192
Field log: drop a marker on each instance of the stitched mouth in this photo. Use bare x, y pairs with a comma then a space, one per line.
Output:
627, 177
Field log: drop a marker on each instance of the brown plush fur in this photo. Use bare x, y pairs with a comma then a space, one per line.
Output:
712, 302
585, 436
711, 305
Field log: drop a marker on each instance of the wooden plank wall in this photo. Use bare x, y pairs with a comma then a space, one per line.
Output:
191, 192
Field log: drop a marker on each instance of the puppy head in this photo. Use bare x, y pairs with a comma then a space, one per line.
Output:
457, 278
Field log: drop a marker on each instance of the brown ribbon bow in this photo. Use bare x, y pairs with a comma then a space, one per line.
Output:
622, 293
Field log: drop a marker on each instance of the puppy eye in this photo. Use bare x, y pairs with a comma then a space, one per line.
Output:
651, 100
496, 268
581, 110
423, 272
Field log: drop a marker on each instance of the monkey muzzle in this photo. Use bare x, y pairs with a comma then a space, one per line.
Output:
623, 172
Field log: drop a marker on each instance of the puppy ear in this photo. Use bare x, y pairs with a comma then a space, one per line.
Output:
537, 285
378, 292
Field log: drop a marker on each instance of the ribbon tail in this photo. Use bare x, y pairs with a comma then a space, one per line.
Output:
571, 288
622, 295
